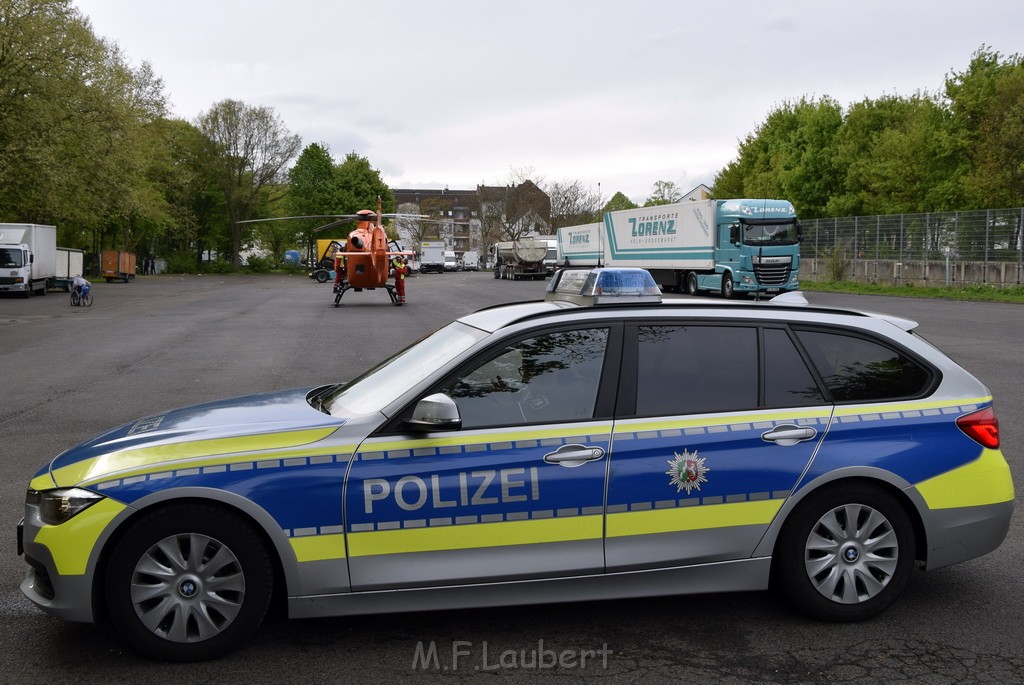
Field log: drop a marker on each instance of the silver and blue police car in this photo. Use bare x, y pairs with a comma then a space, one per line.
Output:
599, 444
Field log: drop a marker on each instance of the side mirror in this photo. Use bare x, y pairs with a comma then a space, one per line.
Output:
799, 232
734, 234
436, 412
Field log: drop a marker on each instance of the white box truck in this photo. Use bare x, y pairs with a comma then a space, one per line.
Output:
28, 258
727, 246
432, 256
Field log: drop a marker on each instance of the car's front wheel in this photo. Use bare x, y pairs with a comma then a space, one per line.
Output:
845, 554
188, 582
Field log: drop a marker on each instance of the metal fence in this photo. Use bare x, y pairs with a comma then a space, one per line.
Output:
981, 246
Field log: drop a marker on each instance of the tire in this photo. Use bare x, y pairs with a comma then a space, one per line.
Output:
188, 582
838, 572
74, 299
691, 284
321, 276
86, 301
728, 287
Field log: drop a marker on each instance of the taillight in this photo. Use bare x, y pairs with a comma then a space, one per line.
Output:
982, 427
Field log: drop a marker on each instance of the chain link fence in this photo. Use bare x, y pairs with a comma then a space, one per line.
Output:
939, 248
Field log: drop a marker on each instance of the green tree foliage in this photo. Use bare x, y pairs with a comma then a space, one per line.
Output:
663, 193
359, 185
894, 154
898, 157
789, 156
75, 128
618, 201
987, 114
249, 150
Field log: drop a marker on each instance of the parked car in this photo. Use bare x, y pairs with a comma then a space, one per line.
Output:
599, 444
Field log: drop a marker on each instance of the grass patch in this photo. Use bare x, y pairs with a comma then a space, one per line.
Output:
966, 293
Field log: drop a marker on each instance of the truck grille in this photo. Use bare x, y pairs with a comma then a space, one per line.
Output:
772, 274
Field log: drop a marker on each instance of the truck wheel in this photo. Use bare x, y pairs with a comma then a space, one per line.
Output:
691, 284
728, 288
497, 272
845, 554
188, 582
321, 276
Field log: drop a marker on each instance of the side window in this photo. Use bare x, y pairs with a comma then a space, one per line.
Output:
859, 370
696, 369
550, 377
787, 380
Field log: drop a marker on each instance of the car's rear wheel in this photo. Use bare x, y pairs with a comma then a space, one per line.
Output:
845, 554
188, 582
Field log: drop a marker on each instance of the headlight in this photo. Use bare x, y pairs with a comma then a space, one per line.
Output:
57, 506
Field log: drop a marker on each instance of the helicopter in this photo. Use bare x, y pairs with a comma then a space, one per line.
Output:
363, 261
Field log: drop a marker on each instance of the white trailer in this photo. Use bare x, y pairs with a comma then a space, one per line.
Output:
28, 258
70, 263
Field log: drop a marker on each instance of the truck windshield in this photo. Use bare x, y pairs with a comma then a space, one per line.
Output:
11, 258
386, 382
761, 233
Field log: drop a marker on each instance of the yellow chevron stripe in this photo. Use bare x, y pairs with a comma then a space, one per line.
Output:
319, 547
986, 480
43, 482
71, 542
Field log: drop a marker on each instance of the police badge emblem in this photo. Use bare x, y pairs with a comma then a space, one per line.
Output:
687, 471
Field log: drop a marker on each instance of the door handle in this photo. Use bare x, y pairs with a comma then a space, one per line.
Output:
574, 455
789, 434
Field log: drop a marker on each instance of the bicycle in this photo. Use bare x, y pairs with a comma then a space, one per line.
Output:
83, 298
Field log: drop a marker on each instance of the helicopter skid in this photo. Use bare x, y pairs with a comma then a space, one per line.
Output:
340, 292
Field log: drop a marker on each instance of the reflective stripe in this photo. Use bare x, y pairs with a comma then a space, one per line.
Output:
157, 458
693, 518
986, 480
318, 547
872, 409
475, 535
71, 542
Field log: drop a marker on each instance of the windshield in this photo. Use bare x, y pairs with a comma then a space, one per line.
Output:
770, 233
10, 258
383, 384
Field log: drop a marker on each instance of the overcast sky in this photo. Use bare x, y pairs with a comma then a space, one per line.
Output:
623, 93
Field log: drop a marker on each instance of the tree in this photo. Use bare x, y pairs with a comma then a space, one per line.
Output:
359, 185
312, 189
572, 203
516, 209
664, 193
249, 149
618, 202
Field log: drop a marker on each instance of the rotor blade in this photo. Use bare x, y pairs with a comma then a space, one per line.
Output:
308, 216
332, 224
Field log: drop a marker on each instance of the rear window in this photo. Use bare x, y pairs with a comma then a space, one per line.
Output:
856, 369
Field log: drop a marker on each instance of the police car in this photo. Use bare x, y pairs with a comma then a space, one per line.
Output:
598, 444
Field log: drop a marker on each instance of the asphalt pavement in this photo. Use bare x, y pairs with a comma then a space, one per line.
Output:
165, 341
